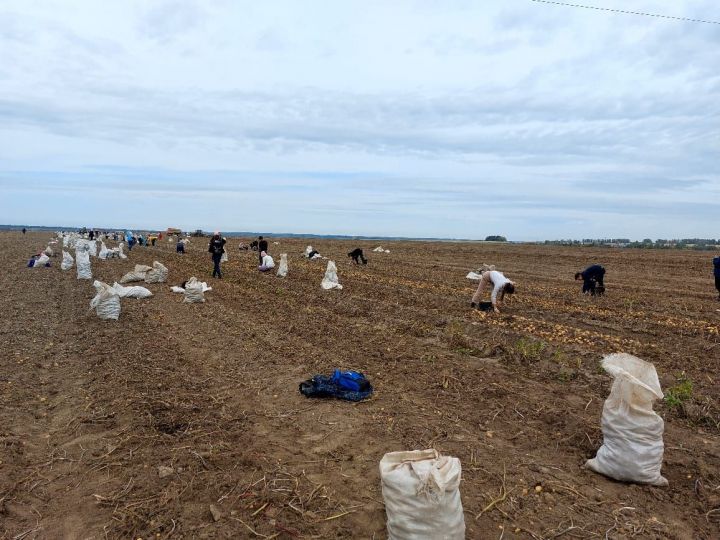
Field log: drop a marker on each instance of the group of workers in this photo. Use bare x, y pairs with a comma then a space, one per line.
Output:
593, 277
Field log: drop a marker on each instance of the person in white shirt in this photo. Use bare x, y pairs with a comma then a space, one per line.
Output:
267, 262
500, 287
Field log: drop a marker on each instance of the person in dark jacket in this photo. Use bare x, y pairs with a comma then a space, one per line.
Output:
262, 246
593, 280
716, 265
24, 230
216, 249
357, 256
180, 247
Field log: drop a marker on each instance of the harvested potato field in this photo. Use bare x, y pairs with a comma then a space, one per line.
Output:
185, 420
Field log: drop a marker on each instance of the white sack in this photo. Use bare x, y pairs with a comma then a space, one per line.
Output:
158, 274
283, 268
82, 261
177, 289
104, 254
473, 275
121, 245
92, 245
379, 249
41, 261
330, 281
67, 262
106, 301
138, 274
131, 292
421, 490
48, 251
224, 257
308, 250
632, 449
193, 291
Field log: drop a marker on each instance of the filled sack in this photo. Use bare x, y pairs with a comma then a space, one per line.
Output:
283, 268
131, 292
158, 274
421, 490
82, 261
41, 261
106, 302
104, 253
49, 251
224, 257
632, 449
194, 291
120, 248
138, 274
67, 261
330, 281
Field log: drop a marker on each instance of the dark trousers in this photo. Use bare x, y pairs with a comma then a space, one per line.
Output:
216, 261
717, 283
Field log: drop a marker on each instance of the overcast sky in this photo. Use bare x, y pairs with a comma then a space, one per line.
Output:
414, 118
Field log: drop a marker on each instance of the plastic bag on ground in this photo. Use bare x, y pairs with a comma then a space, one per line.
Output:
421, 490
82, 261
158, 274
138, 274
67, 262
131, 292
632, 449
106, 302
330, 281
283, 268
193, 291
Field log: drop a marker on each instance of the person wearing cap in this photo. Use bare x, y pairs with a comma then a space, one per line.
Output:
216, 249
500, 287
266, 262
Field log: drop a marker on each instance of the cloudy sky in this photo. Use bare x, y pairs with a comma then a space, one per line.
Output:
414, 118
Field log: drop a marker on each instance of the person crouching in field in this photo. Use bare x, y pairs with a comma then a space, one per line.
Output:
716, 264
216, 249
593, 280
266, 262
357, 256
500, 287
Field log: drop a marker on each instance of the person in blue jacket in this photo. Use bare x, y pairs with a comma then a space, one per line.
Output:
593, 279
716, 265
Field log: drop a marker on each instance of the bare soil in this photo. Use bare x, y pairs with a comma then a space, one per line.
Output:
90, 410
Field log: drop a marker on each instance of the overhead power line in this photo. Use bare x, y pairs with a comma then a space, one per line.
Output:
656, 15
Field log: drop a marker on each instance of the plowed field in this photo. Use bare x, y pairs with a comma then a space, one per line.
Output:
90, 410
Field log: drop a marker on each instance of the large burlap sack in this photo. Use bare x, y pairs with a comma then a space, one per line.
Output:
49, 251
104, 253
67, 262
131, 292
158, 274
421, 490
92, 245
82, 261
224, 257
138, 274
121, 246
106, 302
283, 268
193, 291
330, 281
308, 251
632, 449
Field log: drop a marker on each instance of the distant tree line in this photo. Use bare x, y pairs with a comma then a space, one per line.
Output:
647, 243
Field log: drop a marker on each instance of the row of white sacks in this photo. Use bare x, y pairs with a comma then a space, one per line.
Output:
421, 489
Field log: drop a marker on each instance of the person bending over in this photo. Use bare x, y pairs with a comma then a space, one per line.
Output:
266, 262
357, 256
500, 287
262, 246
593, 280
216, 249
